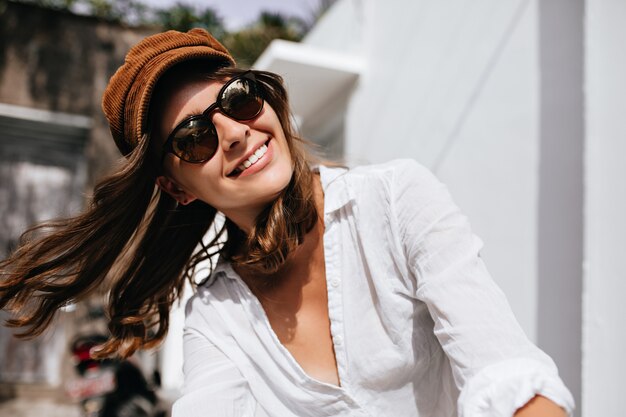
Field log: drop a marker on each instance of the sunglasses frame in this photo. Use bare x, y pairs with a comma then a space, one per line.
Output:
168, 146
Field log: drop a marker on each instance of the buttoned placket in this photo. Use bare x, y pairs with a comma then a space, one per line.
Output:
335, 314
335, 305
333, 205
333, 268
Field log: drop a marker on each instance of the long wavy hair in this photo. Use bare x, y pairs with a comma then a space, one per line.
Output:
144, 245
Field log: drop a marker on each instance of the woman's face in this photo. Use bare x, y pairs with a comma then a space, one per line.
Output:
218, 182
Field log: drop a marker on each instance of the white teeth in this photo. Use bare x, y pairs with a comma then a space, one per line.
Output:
253, 158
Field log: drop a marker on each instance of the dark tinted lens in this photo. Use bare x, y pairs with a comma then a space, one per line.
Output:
196, 141
241, 99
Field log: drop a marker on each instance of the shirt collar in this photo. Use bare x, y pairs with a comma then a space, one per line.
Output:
335, 196
223, 267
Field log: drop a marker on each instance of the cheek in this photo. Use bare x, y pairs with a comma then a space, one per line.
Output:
194, 179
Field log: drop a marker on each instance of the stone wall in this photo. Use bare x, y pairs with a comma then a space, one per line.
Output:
54, 145
61, 62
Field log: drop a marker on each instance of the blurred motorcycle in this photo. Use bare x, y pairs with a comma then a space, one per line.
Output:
95, 378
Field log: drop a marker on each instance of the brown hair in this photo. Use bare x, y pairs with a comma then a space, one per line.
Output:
146, 244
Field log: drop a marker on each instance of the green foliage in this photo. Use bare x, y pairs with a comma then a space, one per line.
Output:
127, 11
246, 45
183, 17
54, 4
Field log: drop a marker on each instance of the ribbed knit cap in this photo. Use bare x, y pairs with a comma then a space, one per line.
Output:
127, 97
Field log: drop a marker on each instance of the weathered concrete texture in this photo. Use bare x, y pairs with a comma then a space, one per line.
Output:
57, 62
36, 400
61, 62
24, 407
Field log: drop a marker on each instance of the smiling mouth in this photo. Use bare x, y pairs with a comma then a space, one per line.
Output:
252, 159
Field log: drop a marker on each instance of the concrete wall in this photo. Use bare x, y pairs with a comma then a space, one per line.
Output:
604, 309
61, 63
54, 144
559, 243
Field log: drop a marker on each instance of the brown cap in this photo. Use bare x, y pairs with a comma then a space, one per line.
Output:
127, 97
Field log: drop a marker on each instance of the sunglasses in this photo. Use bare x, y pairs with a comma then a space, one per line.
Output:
195, 138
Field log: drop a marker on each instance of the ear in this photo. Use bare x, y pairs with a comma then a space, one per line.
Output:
169, 186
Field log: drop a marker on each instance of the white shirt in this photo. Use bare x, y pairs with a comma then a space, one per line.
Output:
419, 327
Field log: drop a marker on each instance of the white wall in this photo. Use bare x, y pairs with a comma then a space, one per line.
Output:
560, 223
488, 94
604, 309
453, 85
341, 28
519, 107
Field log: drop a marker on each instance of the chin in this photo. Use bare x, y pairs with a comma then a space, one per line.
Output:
275, 184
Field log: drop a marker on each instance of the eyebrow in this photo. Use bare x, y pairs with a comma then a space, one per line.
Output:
190, 114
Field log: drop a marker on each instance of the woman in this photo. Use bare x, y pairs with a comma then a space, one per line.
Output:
337, 292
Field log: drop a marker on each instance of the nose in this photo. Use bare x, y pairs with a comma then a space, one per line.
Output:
231, 133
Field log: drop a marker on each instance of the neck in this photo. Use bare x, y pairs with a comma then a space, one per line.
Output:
302, 255
246, 219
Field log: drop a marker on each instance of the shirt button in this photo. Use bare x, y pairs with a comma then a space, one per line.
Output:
335, 282
338, 340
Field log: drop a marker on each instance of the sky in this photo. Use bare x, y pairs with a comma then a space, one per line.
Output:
238, 13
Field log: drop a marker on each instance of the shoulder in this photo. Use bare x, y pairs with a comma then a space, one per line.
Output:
210, 310
385, 181
383, 169
198, 307
201, 295
387, 173
394, 165
219, 271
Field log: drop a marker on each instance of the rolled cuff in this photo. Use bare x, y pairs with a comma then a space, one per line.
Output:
501, 389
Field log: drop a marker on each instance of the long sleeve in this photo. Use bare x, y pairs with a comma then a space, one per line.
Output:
495, 366
213, 385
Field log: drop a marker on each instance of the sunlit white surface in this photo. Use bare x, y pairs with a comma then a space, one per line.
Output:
604, 310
